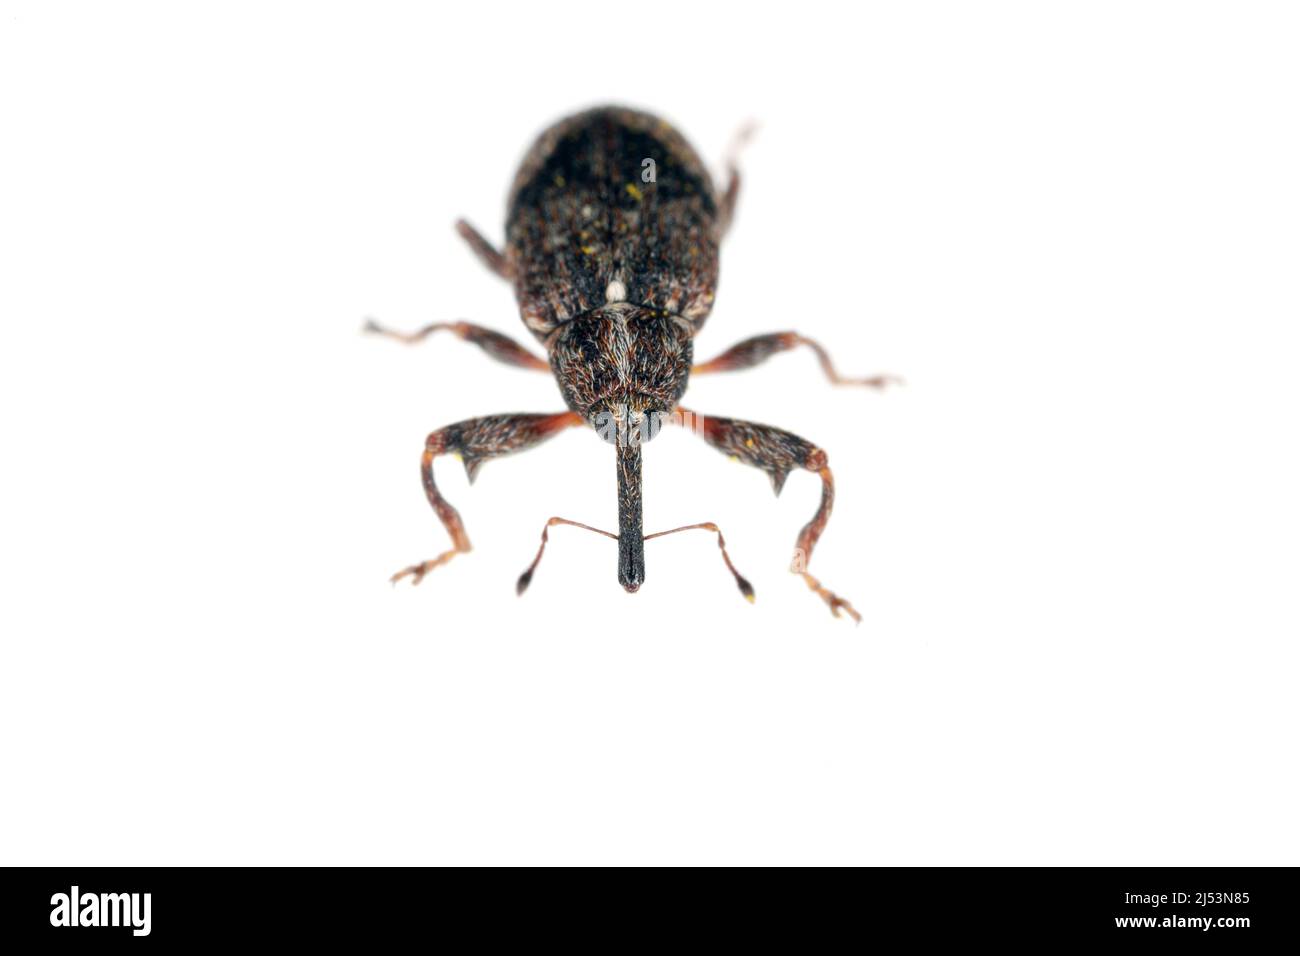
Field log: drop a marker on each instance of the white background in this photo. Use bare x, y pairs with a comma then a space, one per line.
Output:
1073, 228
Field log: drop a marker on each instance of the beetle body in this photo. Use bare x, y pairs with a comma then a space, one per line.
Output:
613, 231
615, 265
587, 215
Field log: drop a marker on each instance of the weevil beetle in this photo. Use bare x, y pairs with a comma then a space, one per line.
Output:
612, 236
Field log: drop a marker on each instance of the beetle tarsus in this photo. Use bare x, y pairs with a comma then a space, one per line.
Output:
416, 572
833, 600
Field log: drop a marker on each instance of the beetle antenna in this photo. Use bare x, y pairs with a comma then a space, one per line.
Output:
742, 582
526, 578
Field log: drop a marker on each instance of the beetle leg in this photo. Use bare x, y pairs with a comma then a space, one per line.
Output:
474, 441
777, 452
501, 347
486, 252
727, 207
760, 348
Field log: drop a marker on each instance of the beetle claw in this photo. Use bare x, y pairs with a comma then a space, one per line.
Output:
833, 600
416, 572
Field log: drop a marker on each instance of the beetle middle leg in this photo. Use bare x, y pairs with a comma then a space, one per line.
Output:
501, 347
760, 348
475, 441
777, 452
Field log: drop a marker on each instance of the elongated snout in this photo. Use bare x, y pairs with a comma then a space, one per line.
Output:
631, 562
631, 544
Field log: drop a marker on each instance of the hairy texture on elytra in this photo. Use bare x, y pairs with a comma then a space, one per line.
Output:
582, 217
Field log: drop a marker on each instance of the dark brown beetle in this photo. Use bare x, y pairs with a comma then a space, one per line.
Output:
612, 239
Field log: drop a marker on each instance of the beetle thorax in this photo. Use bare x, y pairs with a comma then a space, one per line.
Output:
622, 367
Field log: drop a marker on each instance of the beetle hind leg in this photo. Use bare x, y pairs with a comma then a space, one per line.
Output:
486, 252
731, 192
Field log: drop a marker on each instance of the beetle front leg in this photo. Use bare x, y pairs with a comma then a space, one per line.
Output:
778, 453
475, 441
760, 348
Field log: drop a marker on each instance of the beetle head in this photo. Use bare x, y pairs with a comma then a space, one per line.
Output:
623, 368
